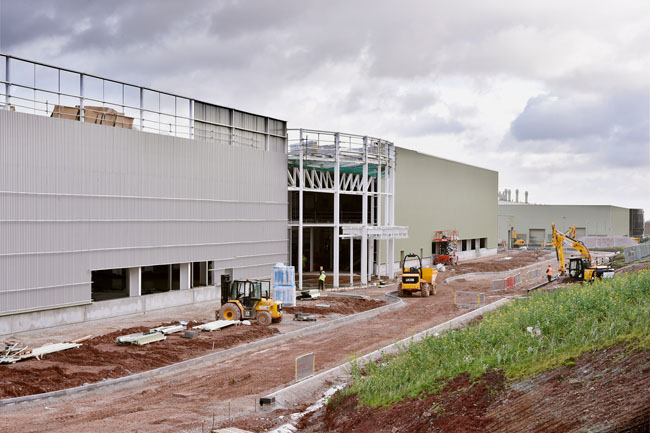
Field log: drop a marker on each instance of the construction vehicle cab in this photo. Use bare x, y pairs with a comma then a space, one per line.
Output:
580, 268
249, 299
416, 278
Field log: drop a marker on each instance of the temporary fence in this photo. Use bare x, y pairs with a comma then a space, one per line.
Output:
468, 299
515, 280
637, 252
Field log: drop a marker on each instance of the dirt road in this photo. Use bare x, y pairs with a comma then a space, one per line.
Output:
180, 402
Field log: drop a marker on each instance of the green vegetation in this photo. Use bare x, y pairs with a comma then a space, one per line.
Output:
572, 321
618, 261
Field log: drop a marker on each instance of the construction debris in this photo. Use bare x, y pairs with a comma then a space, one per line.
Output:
14, 352
309, 294
216, 325
303, 317
169, 329
140, 338
323, 305
190, 334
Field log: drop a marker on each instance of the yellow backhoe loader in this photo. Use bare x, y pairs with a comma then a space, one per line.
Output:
580, 268
416, 279
249, 299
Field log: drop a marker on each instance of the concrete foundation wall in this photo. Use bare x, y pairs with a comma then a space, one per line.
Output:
438, 194
597, 220
15, 323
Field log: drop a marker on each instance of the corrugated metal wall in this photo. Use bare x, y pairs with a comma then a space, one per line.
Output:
213, 122
77, 197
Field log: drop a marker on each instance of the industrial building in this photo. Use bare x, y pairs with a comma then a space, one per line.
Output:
435, 194
130, 196
118, 199
532, 222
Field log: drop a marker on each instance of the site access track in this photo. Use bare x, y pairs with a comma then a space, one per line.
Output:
180, 401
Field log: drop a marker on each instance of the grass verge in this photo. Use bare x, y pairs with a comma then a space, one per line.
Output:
571, 322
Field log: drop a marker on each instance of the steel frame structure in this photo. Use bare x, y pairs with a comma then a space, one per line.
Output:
338, 163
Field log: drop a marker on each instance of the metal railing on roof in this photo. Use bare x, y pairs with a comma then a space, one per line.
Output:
317, 144
46, 90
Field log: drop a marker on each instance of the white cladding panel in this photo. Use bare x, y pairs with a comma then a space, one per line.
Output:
78, 197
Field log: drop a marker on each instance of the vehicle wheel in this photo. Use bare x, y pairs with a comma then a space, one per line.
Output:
264, 318
424, 289
277, 320
400, 292
229, 312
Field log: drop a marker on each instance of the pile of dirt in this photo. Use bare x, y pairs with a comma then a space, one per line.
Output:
101, 358
499, 263
607, 390
337, 305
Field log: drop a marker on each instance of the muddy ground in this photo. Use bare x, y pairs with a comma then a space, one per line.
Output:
326, 305
606, 390
499, 263
101, 358
183, 401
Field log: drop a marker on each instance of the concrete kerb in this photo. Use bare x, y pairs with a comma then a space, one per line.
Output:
283, 398
394, 304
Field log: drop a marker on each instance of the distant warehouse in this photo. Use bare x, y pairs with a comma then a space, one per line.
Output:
119, 193
532, 222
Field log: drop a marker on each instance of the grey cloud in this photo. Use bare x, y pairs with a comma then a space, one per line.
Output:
547, 117
614, 128
427, 125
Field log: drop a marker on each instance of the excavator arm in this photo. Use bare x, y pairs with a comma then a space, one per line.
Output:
558, 241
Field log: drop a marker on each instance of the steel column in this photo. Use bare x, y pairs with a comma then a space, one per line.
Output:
364, 216
301, 187
379, 208
337, 196
311, 249
81, 97
141, 109
351, 261
7, 85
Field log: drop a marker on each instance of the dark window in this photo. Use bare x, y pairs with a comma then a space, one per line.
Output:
109, 284
483, 242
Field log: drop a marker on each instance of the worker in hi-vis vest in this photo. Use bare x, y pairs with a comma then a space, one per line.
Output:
321, 279
549, 273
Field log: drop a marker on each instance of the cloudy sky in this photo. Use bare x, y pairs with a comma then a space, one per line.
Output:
555, 95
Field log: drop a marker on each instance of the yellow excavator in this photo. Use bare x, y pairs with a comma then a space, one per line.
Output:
580, 268
516, 243
570, 233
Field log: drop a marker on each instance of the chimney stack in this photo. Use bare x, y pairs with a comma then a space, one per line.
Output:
517, 195
526, 195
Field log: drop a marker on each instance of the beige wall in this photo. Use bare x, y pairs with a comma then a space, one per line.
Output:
438, 194
597, 220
